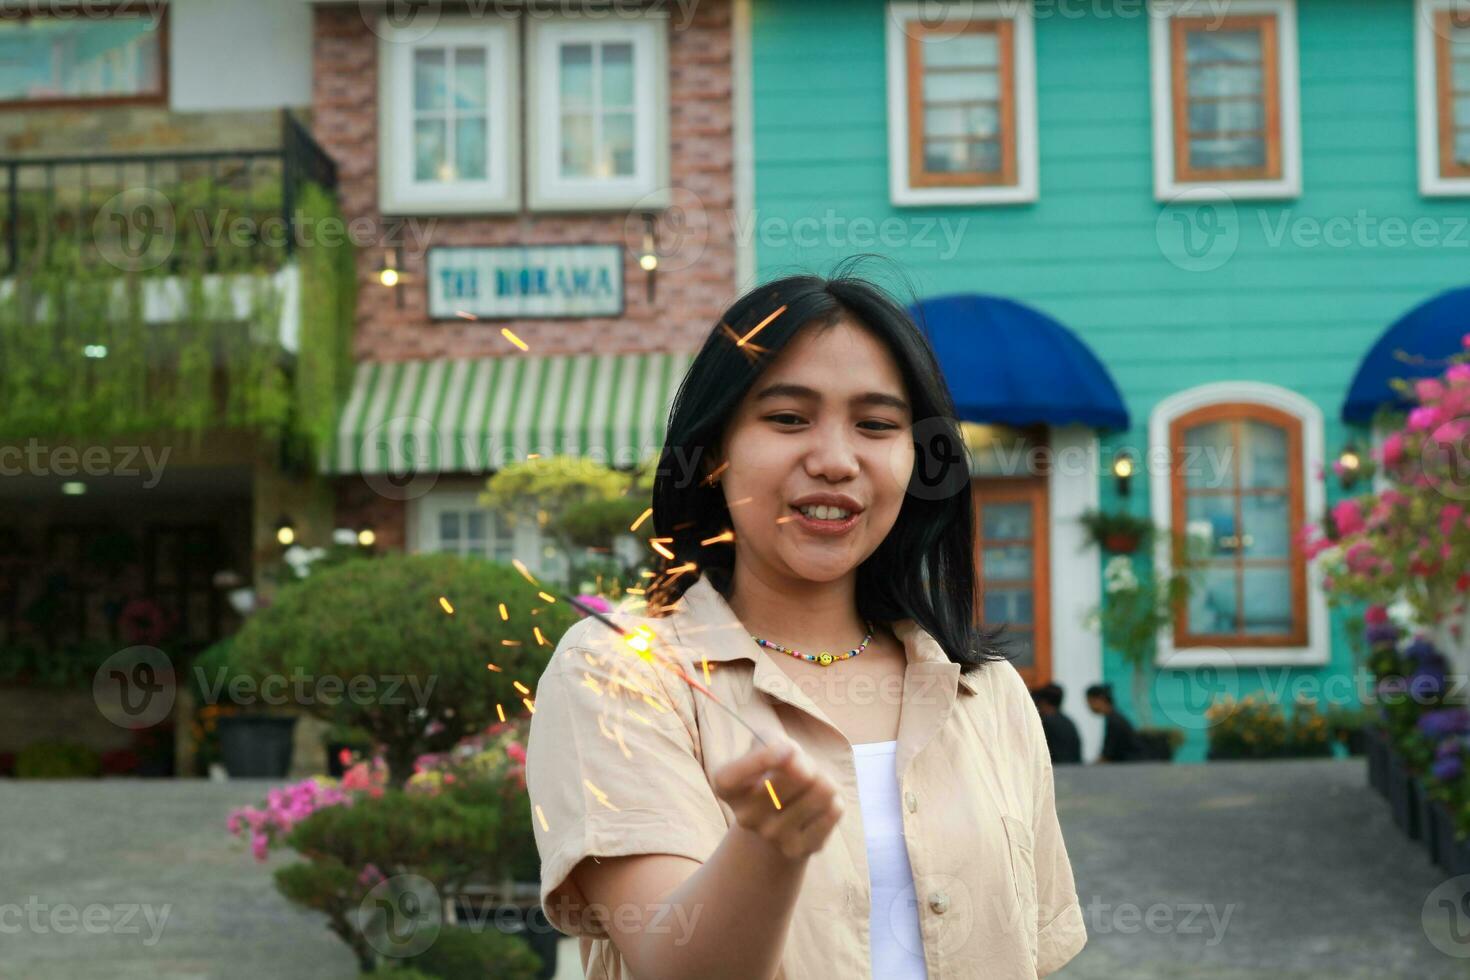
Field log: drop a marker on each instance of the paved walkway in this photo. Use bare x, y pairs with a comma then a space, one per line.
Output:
1281, 870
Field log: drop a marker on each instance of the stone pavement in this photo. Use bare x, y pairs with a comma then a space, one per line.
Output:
1226, 870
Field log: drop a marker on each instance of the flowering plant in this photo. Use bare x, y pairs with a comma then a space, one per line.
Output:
287, 806
1411, 540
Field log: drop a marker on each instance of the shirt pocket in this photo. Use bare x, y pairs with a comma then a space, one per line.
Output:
1020, 844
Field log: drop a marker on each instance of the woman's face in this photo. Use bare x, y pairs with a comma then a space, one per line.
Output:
827, 424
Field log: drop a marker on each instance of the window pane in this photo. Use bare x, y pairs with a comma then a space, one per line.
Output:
1209, 456
1263, 455
1009, 563
1227, 154
576, 144
576, 76
1460, 71
1008, 606
1211, 518
429, 79
1462, 147
56, 58
1267, 525
470, 137
617, 75
962, 156
1213, 603
617, 138
1234, 116
976, 120
968, 49
429, 160
475, 521
469, 78
1226, 48
448, 526
1267, 600
1005, 521
1462, 111
953, 86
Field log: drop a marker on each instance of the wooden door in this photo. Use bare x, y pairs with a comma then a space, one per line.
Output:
1012, 563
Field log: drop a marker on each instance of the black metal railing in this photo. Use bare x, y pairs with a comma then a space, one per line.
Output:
217, 210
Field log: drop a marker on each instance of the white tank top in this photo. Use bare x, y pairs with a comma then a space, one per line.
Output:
893, 922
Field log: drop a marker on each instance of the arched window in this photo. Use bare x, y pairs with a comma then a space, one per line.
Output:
1234, 481
1236, 493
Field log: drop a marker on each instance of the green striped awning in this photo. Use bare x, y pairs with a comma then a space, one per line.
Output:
452, 415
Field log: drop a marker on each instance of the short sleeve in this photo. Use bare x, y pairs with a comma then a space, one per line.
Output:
1061, 932
613, 768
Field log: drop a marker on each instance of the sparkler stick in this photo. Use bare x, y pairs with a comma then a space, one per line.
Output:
676, 668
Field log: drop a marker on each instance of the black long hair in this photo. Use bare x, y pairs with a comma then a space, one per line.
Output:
924, 569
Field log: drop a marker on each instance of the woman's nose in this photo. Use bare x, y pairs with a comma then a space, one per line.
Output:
832, 455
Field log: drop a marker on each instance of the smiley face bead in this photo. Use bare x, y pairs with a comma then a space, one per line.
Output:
825, 659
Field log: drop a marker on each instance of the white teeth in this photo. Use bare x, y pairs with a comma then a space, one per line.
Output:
824, 513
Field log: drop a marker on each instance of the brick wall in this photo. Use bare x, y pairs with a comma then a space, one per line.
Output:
690, 294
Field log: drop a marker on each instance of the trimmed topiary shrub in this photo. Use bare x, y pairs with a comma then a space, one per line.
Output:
370, 644
466, 954
57, 760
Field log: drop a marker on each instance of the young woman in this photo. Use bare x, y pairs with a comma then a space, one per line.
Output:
900, 821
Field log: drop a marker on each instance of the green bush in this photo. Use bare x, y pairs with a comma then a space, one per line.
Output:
464, 954
383, 620
57, 760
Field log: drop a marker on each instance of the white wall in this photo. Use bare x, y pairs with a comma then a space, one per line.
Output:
239, 54
1076, 579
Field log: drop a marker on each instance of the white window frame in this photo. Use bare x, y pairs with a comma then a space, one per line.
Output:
1023, 42
1166, 186
1317, 649
528, 543
1426, 88
648, 186
398, 193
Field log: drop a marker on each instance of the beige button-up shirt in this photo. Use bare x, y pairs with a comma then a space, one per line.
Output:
622, 753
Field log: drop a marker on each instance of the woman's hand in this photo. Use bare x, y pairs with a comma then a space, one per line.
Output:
811, 804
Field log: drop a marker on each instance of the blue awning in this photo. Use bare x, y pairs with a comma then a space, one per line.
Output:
1010, 364
1416, 346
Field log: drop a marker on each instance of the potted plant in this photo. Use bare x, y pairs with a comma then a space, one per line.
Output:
1118, 532
1136, 605
253, 743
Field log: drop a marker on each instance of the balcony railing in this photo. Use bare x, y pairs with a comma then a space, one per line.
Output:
219, 211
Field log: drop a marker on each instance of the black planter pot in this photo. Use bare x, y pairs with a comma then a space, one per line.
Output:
1401, 796
1454, 855
1154, 747
1429, 831
257, 746
156, 767
1377, 751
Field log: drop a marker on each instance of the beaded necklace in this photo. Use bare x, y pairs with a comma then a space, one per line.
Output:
824, 658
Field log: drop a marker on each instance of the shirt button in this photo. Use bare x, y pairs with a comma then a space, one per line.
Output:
911, 801
939, 903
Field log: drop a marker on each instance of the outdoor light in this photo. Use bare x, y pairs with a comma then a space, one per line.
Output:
1123, 472
390, 271
95, 351
1349, 465
366, 536
285, 532
648, 258
73, 488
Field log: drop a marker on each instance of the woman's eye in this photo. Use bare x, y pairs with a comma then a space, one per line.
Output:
784, 418
879, 426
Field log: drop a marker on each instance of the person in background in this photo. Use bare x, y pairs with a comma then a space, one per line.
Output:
1061, 733
1120, 741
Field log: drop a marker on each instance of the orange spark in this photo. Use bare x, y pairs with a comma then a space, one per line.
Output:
632, 591
494, 668
641, 518
678, 570
510, 643
521, 687
759, 327
601, 796
466, 316
503, 614
742, 500
509, 335
500, 710
529, 706
447, 607
547, 596
772, 791
722, 536
520, 566
783, 520
542, 817
540, 640
657, 544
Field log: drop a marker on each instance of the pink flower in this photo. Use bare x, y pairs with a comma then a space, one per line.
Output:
1393, 449
1428, 390
1458, 372
1424, 418
1465, 341
1348, 516
1375, 615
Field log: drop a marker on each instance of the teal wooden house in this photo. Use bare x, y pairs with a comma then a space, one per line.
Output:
1170, 255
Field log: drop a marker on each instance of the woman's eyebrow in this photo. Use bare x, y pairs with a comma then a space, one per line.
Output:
787, 389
